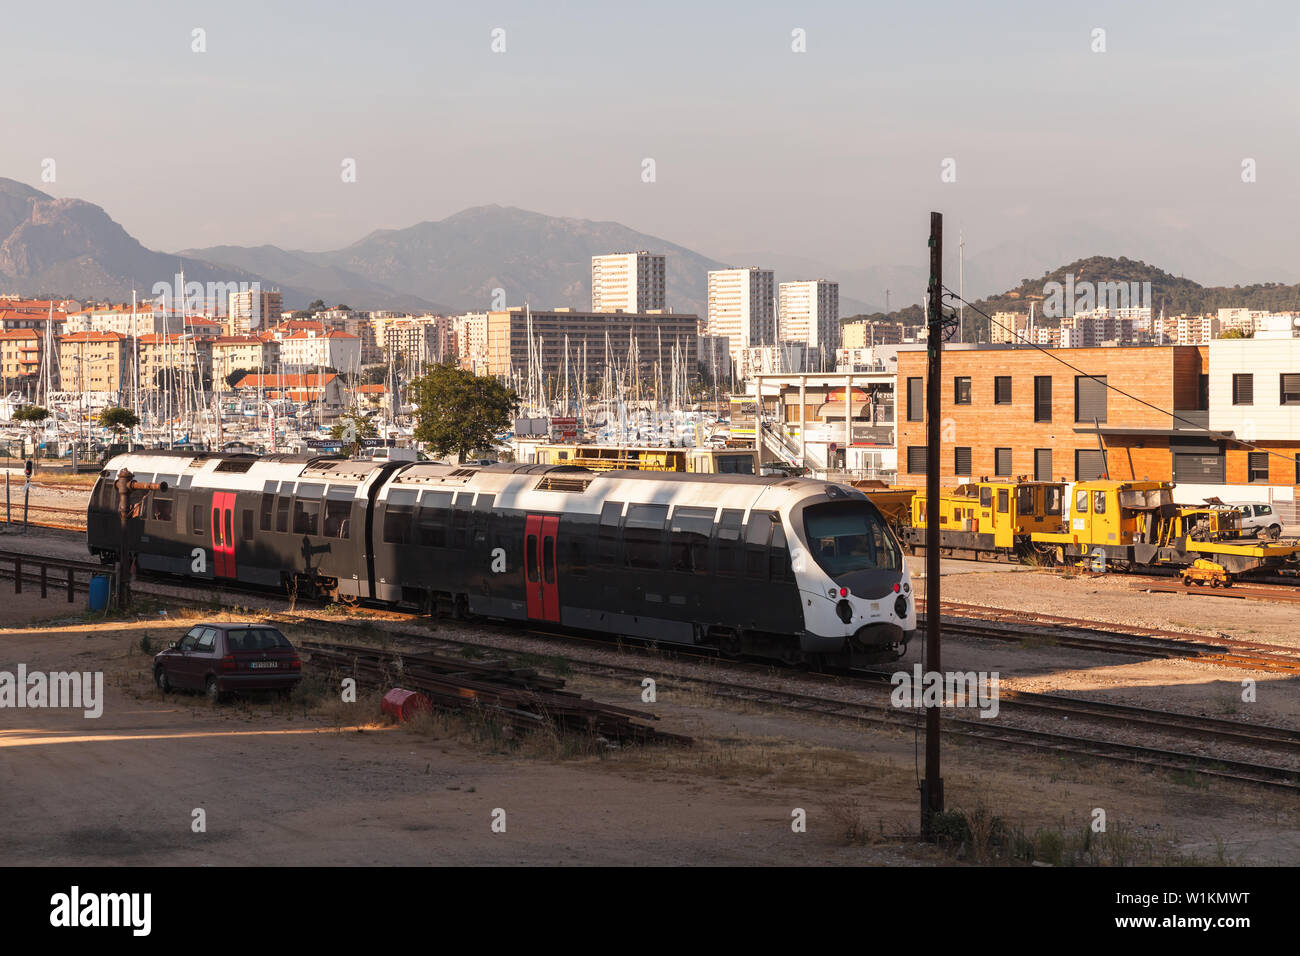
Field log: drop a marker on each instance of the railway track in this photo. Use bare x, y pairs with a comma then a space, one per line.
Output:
1026, 627
868, 692
876, 709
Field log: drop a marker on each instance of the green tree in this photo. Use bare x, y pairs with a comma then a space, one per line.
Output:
31, 416
351, 429
1236, 334
458, 411
119, 419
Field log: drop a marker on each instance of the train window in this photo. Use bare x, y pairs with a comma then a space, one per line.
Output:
435, 514
310, 491
690, 539
485, 502
1052, 497
268, 506
847, 536
338, 517
779, 556
306, 517
986, 496
460, 522
399, 509
282, 513
160, 509
1081, 502
1004, 501
1025, 500
611, 512
1099, 502
248, 524
196, 519
728, 550
643, 536
530, 557
756, 535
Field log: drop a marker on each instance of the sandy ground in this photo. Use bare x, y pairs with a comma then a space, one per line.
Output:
333, 784
282, 785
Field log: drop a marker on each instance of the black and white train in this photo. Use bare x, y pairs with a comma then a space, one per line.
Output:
788, 568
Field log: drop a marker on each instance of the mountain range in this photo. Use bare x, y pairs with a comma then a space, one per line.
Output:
73, 248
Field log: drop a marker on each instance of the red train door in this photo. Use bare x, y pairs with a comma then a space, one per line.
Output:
223, 534
540, 576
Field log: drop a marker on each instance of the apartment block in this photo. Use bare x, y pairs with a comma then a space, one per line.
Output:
741, 307
252, 311
20, 358
230, 353
809, 312
628, 282
649, 337
93, 361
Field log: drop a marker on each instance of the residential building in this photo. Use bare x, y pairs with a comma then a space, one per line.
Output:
231, 353
187, 354
313, 388
628, 282
415, 343
809, 312
741, 307
652, 337
252, 310
93, 361
468, 340
20, 359
309, 348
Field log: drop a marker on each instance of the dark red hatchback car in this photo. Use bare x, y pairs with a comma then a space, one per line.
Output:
220, 659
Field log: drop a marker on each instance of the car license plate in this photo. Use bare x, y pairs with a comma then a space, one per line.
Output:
264, 664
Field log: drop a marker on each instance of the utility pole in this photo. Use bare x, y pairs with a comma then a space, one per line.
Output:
932, 784
125, 484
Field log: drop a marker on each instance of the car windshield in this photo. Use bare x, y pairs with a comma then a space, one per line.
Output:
255, 639
849, 536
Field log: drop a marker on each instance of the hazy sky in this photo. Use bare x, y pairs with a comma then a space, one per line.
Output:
833, 154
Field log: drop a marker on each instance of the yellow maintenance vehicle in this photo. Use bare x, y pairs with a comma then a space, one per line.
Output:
1136, 524
989, 516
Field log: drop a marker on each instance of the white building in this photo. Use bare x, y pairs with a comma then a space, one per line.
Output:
308, 348
809, 312
252, 311
741, 307
469, 333
628, 282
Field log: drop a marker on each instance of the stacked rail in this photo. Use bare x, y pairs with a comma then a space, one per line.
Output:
520, 697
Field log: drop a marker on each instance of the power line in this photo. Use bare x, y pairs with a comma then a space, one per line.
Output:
1101, 380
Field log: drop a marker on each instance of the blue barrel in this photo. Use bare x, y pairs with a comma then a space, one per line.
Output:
99, 592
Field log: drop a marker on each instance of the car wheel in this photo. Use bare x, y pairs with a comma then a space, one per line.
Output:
160, 678
214, 692
1274, 531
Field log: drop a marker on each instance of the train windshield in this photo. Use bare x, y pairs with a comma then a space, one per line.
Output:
847, 536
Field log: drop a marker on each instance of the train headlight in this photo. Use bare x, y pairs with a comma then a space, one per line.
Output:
900, 606
845, 611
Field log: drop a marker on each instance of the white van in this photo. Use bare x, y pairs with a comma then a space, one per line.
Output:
1258, 520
